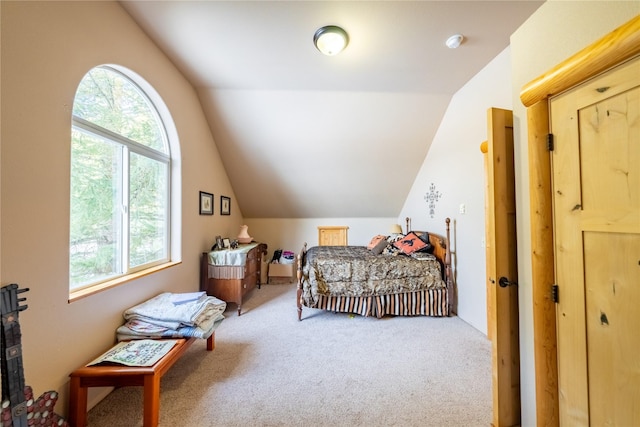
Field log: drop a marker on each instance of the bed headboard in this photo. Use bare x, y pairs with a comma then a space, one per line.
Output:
441, 248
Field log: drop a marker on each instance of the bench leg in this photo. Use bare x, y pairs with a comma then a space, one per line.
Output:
77, 403
211, 342
151, 400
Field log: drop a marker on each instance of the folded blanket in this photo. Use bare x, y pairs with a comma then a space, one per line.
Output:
161, 311
136, 329
172, 316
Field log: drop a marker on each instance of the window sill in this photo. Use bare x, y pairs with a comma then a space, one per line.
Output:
85, 292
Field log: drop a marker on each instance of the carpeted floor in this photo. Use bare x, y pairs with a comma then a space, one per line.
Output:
331, 369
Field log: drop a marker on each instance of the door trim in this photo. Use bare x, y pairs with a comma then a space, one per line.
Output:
614, 48
501, 241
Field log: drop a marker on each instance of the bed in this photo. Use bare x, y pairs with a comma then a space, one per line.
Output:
402, 279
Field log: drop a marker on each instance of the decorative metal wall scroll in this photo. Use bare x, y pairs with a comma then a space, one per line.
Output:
431, 198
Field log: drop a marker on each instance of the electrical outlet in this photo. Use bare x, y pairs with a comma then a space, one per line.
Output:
463, 208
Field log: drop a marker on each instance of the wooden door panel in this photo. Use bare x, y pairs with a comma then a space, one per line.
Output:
596, 197
609, 146
612, 280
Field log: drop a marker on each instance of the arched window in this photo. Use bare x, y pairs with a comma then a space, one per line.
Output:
120, 181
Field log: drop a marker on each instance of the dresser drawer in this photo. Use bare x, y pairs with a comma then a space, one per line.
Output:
249, 282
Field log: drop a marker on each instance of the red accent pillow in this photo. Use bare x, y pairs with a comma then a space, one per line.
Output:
410, 243
376, 239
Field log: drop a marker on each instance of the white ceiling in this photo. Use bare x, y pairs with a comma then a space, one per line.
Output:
305, 135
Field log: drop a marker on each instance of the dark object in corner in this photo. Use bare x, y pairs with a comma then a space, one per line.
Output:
18, 403
276, 255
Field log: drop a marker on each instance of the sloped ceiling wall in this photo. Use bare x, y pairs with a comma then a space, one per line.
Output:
304, 135
322, 154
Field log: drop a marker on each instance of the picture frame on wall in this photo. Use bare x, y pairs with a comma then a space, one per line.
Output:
225, 205
206, 203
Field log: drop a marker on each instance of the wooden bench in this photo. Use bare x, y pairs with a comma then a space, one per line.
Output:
122, 376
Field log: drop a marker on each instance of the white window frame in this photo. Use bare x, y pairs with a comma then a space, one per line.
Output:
128, 147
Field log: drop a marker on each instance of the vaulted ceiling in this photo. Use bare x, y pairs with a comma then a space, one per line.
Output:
303, 135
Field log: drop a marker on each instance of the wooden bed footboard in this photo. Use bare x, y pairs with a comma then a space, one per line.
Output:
301, 258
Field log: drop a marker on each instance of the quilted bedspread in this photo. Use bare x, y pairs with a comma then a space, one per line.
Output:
356, 271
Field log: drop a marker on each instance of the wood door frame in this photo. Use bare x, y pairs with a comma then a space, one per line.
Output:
502, 262
616, 47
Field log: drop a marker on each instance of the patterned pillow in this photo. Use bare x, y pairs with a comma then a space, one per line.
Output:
410, 243
377, 249
376, 239
391, 250
391, 239
424, 236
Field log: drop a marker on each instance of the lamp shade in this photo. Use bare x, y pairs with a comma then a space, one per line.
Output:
396, 229
330, 40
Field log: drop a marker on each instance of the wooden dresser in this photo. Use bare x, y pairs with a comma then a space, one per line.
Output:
332, 235
231, 283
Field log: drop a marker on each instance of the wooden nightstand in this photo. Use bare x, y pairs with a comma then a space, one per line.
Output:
231, 283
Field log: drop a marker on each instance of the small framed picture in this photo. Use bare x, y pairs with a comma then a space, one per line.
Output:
219, 242
225, 205
226, 243
206, 203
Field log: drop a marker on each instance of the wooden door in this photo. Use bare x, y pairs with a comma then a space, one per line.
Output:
596, 189
502, 263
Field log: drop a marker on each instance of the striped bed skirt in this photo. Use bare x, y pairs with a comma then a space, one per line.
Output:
428, 302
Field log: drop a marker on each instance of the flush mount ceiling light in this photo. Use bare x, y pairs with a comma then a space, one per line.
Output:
330, 40
454, 41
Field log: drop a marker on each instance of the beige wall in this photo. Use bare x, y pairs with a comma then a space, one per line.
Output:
291, 233
46, 49
455, 166
556, 31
